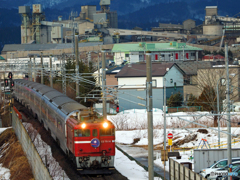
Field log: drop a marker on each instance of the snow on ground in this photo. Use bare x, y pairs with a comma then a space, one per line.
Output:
2, 129
132, 124
4, 172
130, 169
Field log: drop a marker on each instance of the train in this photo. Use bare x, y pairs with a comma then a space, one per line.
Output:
83, 135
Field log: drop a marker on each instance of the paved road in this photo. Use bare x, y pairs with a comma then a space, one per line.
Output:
141, 155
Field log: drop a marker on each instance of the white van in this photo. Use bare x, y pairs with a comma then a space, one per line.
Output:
220, 164
219, 173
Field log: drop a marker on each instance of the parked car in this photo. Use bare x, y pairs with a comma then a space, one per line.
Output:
219, 164
219, 173
237, 170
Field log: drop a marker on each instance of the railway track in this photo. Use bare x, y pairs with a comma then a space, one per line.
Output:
58, 154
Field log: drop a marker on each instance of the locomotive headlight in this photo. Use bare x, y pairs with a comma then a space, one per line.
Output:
83, 125
105, 125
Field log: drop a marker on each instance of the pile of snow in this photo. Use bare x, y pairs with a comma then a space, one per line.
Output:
4, 172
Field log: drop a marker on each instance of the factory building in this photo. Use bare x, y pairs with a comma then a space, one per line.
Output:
186, 26
215, 24
163, 52
90, 22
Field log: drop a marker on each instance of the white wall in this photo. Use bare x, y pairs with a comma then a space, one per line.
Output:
135, 81
134, 57
119, 57
175, 75
139, 82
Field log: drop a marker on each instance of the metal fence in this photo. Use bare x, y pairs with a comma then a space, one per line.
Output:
180, 172
40, 172
184, 109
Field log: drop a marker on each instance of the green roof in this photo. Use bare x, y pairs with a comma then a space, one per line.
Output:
1, 58
172, 46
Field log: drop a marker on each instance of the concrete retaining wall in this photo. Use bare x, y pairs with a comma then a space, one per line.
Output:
40, 172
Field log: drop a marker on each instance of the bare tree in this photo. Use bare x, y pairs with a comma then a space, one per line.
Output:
211, 82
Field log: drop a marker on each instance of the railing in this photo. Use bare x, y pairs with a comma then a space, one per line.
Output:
184, 109
179, 171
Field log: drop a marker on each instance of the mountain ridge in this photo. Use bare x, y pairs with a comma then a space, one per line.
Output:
141, 13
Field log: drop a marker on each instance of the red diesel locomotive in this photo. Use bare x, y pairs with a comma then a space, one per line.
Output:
88, 140
92, 142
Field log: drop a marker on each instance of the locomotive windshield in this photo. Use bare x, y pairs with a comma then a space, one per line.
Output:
94, 132
82, 133
107, 132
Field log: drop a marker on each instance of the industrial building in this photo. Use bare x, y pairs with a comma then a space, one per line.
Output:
185, 27
215, 24
172, 51
90, 23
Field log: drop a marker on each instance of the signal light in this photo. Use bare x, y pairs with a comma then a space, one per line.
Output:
6, 82
12, 83
10, 75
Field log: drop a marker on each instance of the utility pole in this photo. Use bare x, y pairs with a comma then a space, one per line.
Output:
63, 75
42, 68
164, 113
30, 70
34, 67
98, 71
229, 148
4, 96
77, 64
51, 77
150, 115
104, 84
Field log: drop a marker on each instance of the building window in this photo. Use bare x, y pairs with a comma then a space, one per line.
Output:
126, 55
154, 83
